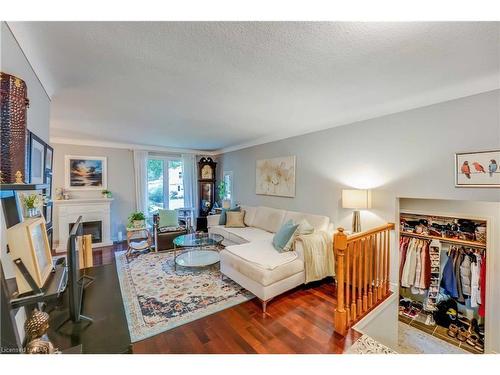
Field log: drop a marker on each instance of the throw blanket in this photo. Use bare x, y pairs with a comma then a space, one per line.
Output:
319, 261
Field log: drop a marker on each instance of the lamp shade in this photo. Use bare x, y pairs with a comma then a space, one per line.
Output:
354, 198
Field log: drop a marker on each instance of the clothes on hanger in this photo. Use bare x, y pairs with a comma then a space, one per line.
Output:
403, 249
415, 265
462, 278
449, 281
475, 296
465, 275
482, 286
459, 257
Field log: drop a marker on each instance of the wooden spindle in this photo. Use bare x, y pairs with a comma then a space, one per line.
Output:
359, 302
375, 268
340, 244
348, 284
370, 272
353, 283
381, 266
384, 265
365, 275
387, 270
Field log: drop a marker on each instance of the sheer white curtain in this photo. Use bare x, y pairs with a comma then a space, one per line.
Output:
141, 180
190, 182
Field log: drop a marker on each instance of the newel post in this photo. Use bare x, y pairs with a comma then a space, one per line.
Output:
339, 246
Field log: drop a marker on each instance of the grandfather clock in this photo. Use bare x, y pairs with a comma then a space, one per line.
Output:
206, 185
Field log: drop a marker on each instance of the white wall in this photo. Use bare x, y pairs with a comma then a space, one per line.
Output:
14, 62
379, 324
120, 181
491, 212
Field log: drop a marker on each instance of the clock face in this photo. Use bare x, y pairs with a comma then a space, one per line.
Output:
206, 172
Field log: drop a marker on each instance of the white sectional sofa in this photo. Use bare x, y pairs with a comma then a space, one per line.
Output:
249, 257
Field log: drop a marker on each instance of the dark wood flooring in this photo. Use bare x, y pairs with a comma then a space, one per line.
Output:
300, 321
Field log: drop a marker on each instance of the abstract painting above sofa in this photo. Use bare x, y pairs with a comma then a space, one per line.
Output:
276, 176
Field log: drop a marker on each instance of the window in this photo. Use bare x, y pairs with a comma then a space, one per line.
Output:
165, 184
228, 184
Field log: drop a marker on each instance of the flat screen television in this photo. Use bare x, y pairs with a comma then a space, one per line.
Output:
75, 286
28, 242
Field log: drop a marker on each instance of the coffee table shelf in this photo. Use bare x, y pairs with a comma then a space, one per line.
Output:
194, 252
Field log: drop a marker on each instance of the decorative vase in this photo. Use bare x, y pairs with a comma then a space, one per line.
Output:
138, 223
32, 212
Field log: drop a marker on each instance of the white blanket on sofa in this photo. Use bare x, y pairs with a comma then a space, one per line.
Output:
262, 253
319, 261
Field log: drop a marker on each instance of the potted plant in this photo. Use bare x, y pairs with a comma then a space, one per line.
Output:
106, 193
222, 193
32, 204
137, 219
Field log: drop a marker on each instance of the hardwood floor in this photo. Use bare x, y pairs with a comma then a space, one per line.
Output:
300, 321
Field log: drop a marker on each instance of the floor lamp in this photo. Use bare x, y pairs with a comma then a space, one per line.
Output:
357, 199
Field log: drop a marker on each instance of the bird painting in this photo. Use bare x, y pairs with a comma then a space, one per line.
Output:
479, 168
466, 169
492, 167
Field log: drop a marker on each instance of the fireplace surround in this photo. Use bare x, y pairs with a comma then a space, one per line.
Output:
96, 216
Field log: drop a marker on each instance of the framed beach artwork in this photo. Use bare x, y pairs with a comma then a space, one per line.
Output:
85, 172
477, 169
276, 176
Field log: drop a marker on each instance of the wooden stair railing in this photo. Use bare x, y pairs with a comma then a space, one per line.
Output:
362, 273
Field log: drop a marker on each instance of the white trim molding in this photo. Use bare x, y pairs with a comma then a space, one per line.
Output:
128, 146
446, 94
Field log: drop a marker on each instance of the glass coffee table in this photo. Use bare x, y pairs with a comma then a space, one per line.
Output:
194, 252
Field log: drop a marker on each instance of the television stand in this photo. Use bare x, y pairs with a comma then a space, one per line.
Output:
83, 282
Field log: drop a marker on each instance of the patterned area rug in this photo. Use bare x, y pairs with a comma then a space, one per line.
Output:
157, 299
367, 345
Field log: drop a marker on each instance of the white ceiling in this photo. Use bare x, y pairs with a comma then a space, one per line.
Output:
221, 85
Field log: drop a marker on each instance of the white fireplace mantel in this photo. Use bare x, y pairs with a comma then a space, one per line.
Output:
91, 209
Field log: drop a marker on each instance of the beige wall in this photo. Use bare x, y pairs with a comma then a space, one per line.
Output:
120, 165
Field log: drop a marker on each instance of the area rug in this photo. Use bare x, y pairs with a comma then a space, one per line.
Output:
414, 341
367, 345
157, 298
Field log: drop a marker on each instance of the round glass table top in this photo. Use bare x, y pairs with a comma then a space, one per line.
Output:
198, 239
197, 258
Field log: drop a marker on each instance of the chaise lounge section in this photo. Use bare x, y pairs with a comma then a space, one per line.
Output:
250, 259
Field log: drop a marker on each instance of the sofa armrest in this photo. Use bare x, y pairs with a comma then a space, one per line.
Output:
213, 220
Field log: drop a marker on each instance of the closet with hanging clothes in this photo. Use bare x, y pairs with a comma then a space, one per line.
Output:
442, 277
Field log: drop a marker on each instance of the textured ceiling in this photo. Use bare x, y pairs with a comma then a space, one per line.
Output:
218, 85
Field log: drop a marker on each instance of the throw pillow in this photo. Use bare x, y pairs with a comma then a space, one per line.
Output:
283, 239
235, 219
168, 218
304, 228
222, 218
